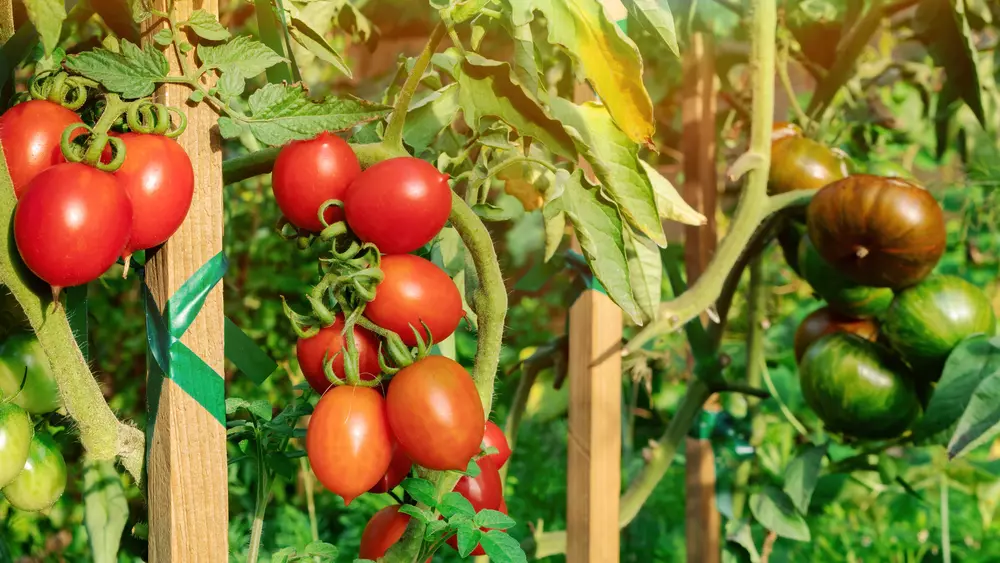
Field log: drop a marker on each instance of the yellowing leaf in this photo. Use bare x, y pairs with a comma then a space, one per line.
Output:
520, 181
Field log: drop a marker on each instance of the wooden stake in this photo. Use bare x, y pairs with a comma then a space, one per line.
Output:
703, 524
187, 470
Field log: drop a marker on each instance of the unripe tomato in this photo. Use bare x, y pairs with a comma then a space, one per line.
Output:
330, 343
824, 321
382, 531
15, 440
158, 177
22, 358
783, 129
348, 440
398, 204
415, 290
399, 469
799, 163
72, 224
495, 437
30, 133
42, 480
436, 414
307, 173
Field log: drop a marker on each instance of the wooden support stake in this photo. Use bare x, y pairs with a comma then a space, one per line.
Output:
703, 524
187, 470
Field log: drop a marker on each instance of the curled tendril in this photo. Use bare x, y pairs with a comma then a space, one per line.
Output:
321, 213
303, 325
72, 151
92, 148
117, 154
60, 88
146, 116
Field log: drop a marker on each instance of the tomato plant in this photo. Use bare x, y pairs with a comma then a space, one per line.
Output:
328, 345
308, 173
30, 133
415, 293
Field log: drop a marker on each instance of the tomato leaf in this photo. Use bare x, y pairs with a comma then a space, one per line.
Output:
776, 512
424, 516
740, 539
105, 510
802, 474
421, 490
283, 555
656, 18
321, 549
554, 214
669, 202
468, 538
609, 59
207, 26
646, 272
472, 470
981, 420
494, 519
316, 44
435, 530
943, 26
491, 213
454, 504
133, 73
429, 116
971, 362
242, 56
501, 548
47, 16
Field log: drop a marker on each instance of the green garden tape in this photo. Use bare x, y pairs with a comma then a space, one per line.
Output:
246, 356
705, 424
76, 314
623, 24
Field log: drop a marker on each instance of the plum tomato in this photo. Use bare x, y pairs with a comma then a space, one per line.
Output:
415, 290
399, 469
495, 437
436, 414
330, 343
399, 204
31, 133
72, 224
484, 491
308, 173
382, 531
22, 358
15, 439
42, 480
348, 440
501, 507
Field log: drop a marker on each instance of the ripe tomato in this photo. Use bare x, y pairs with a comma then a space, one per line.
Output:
435, 413
348, 440
307, 173
382, 531
15, 439
22, 358
42, 480
72, 224
398, 204
495, 437
415, 290
484, 491
31, 133
158, 177
399, 469
502, 507
330, 343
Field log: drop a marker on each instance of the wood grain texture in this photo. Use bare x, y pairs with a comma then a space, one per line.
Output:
187, 471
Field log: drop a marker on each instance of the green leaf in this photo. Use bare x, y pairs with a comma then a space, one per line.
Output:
429, 116
316, 44
230, 129
105, 510
435, 530
776, 512
163, 37
554, 214
140, 10
421, 490
487, 89
491, 213
242, 55
47, 16
233, 404
261, 409
468, 539
207, 26
133, 73
282, 113
656, 18
231, 85
968, 365
464, 10
944, 27
600, 232
645, 269
472, 469
802, 474
196, 96
739, 536
981, 420
283, 555
322, 549
494, 520
525, 63
454, 503
669, 203
424, 516
501, 548
609, 59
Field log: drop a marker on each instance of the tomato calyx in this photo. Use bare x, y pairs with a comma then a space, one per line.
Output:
61, 88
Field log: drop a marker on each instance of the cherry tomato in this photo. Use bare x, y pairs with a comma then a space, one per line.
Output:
42, 480
435, 413
399, 469
329, 343
382, 531
484, 491
415, 290
307, 173
495, 437
348, 440
502, 507
15, 439
31, 133
22, 358
72, 224
398, 204
158, 177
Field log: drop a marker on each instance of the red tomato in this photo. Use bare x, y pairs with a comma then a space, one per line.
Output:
307, 173
159, 179
382, 531
502, 507
484, 491
399, 469
330, 342
415, 290
398, 204
495, 437
72, 224
435, 413
348, 440
30, 133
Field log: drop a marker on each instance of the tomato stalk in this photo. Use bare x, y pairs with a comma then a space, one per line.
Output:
394, 129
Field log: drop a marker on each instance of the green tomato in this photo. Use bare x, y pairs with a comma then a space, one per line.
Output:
43, 479
15, 436
41, 393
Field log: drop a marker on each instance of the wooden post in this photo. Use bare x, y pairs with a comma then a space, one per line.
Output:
703, 526
187, 475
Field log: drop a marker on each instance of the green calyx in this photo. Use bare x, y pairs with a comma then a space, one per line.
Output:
61, 88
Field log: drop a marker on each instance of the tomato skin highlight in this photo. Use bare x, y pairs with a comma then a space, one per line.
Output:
382, 531
399, 469
495, 437
415, 290
307, 173
31, 132
72, 224
348, 440
43, 479
15, 441
436, 414
158, 177
399, 204
330, 341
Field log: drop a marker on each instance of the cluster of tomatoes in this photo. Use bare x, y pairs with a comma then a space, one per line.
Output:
361, 438
74, 221
868, 244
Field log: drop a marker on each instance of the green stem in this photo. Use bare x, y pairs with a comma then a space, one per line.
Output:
394, 130
945, 525
260, 508
178, 37
528, 377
